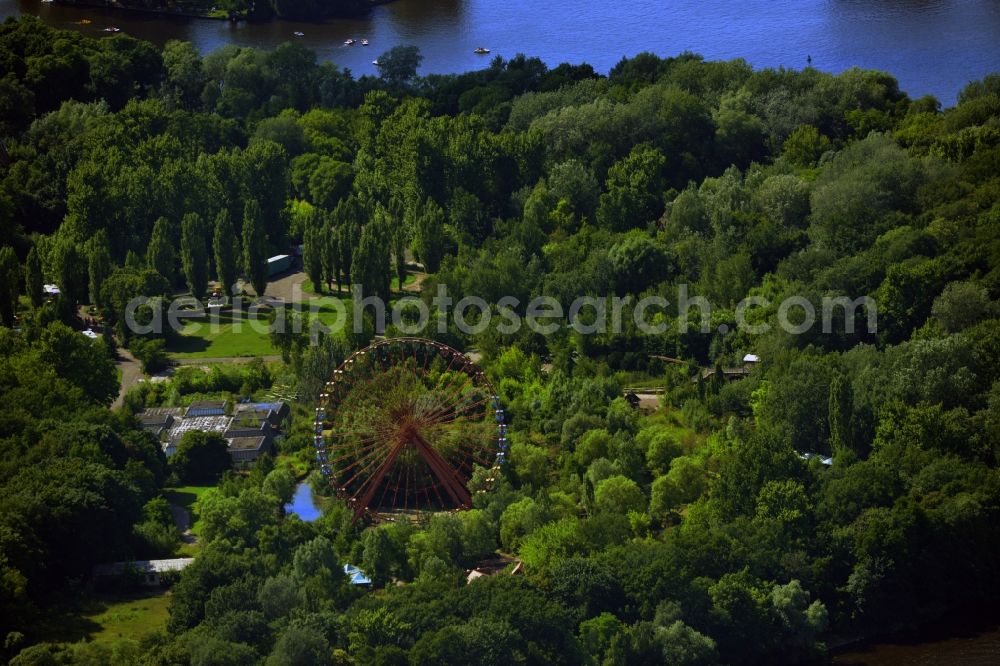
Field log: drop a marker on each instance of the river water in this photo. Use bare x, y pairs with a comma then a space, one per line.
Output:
931, 46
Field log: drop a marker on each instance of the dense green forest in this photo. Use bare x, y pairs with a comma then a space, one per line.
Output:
694, 534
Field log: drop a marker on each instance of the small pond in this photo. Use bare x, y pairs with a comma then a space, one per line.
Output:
304, 503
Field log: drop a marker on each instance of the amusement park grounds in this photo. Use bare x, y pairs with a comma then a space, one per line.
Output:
236, 336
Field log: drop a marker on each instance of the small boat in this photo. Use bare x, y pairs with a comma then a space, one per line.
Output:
376, 62
299, 34
85, 21
482, 50
350, 42
45, 2
112, 28
364, 42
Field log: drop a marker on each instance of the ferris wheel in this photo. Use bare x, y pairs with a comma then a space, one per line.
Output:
402, 425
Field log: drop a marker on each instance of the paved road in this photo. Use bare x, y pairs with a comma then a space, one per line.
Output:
288, 287
131, 374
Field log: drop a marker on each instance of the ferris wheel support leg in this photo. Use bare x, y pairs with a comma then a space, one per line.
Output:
444, 472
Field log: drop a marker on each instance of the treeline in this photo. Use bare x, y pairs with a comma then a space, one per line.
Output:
700, 534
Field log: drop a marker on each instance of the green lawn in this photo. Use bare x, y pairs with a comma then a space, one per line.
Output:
228, 334
128, 616
309, 288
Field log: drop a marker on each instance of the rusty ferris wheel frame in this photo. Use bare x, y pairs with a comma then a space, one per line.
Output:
401, 426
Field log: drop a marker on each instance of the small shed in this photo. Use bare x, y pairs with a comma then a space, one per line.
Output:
278, 264
356, 576
823, 459
632, 399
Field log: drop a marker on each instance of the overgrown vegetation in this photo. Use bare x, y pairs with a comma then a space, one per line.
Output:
698, 534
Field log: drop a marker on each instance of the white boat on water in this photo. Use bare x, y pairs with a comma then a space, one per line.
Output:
299, 34
364, 42
112, 28
376, 62
482, 50
350, 42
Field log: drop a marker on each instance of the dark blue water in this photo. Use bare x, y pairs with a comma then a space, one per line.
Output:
931, 46
302, 503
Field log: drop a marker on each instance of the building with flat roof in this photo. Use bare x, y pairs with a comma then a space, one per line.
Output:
206, 408
245, 451
219, 424
156, 424
275, 412
149, 571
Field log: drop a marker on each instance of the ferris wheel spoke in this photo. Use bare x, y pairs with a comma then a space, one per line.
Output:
447, 403
372, 458
439, 393
376, 479
449, 417
450, 396
357, 455
336, 432
437, 492
395, 487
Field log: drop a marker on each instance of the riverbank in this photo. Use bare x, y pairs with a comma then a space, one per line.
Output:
907, 40
970, 637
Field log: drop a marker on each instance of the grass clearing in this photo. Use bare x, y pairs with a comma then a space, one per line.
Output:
225, 334
132, 616
107, 617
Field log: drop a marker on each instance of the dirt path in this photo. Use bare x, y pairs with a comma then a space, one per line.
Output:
131, 374
418, 283
182, 519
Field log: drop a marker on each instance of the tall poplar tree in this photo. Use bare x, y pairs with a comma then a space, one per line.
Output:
331, 255
10, 281
99, 265
370, 265
254, 250
841, 410
224, 244
34, 281
160, 255
194, 255
314, 248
